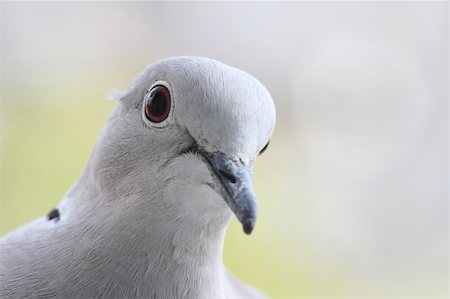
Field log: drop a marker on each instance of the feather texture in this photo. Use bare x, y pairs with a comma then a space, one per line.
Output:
143, 220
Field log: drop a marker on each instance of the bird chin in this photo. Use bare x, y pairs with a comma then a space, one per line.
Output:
217, 187
198, 188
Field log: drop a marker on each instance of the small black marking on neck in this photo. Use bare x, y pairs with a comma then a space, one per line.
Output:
53, 215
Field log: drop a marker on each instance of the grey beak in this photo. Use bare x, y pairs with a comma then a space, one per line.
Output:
236, 187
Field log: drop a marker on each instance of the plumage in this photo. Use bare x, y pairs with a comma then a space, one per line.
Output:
148, 215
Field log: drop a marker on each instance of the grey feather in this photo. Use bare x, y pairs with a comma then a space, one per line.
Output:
145, 220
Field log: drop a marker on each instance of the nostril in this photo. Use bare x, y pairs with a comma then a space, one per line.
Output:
228, 176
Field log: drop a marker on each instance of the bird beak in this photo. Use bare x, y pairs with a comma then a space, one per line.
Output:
235, 187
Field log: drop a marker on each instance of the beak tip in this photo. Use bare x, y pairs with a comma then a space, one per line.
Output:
248, 226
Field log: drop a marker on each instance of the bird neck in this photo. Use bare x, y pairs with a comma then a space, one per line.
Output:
188, 257
156, 240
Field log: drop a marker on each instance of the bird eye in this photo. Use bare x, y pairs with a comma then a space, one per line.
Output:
264, 148
157, 106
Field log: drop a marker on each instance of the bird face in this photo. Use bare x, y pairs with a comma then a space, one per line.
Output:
193, 128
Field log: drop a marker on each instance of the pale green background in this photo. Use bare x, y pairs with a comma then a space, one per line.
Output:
353, 188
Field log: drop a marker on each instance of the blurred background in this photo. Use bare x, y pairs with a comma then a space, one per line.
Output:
353, 189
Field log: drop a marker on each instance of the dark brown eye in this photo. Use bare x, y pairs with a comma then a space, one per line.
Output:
157, 104
264, 148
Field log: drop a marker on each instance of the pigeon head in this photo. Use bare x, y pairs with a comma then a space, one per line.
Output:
183, 137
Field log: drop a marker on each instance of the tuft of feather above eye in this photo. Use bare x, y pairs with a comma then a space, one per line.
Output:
115, 95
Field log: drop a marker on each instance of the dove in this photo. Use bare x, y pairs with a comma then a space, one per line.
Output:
148, 215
